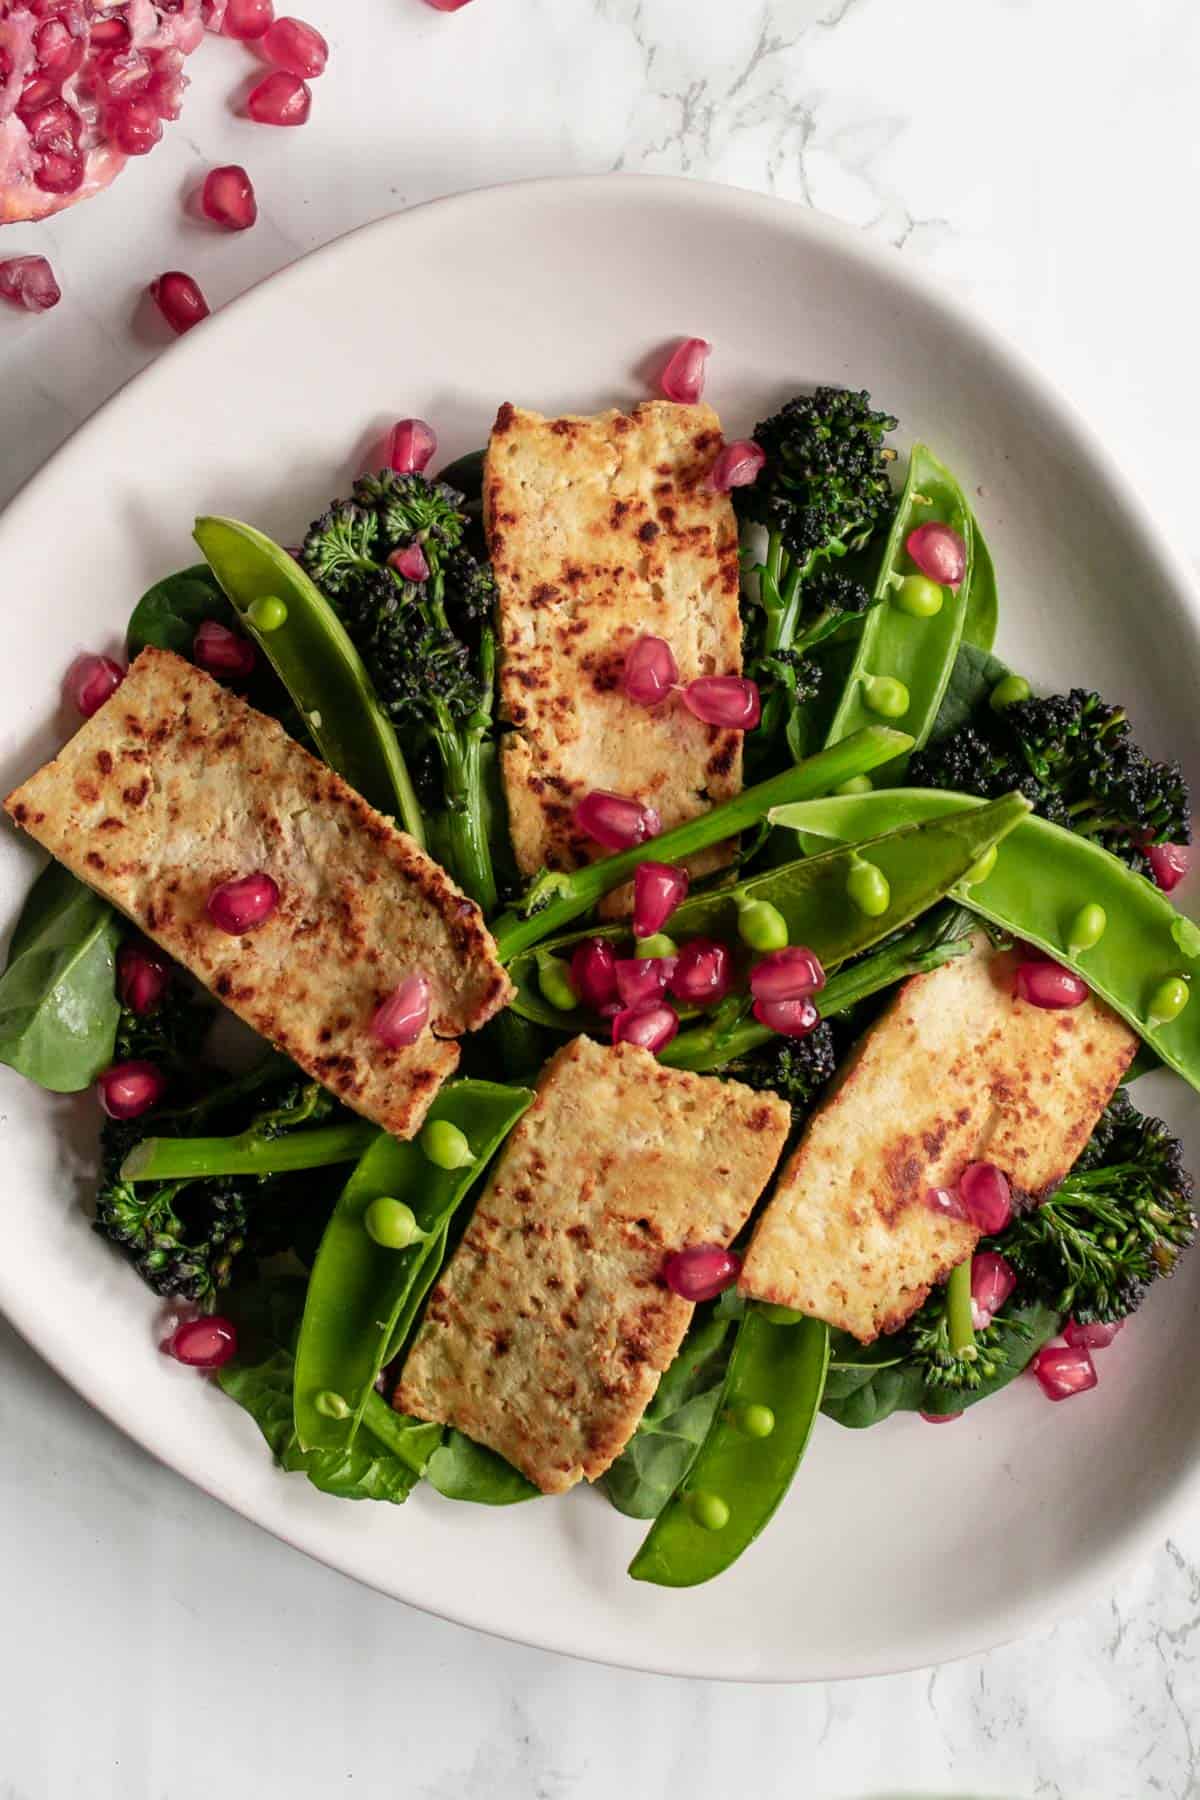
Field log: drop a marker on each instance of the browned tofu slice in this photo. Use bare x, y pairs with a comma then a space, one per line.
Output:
547, 1333
602, 530
957, 1071
176, 785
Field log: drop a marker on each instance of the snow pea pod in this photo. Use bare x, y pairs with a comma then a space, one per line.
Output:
1043, 877
981, 598
918, 863
312, 653
362, 1297
778, 1366
895, 647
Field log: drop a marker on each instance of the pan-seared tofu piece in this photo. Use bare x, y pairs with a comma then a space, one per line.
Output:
175, 786
603, 530
546, 1335
958, 1070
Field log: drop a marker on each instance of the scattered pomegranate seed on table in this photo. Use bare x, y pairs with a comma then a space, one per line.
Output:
280, 99
682, 379
223, 652
412, 445
28, 281
129, 1089
447, 5
244, 903
404, 1015
248, 19
293, 45
90, 680
228, 197
179, 300
206, 1343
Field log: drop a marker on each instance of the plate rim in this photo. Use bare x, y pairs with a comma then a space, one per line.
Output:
1138, 519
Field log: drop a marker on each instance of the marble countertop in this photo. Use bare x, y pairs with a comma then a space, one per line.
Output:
1042, 160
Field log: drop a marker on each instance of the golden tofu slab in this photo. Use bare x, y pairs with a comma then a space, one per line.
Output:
176, 785
958, 1070
546, 1335
602, 530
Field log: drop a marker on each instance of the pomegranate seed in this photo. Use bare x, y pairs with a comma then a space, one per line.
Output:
228, 198
135, 126
280, 99
946, 1202
206, 1343
223, 652
28, 281
167, 84
658, 888
123, 74
1169, 863
59, 173
90, 680
299, 48
240, 905
1064, 1370
649, 1027
54, 126
992, 1281
1095, 1336
412, 445
940, 1418
410, 563
402, 1018
702, 1272
938, 552
986, 1197
683, 377
1049, 985
593, 973
738, 465
129, 1089
791, 974
143, 976
59, 54
650, 672
179, 300
615, 821
703, 972
447, 5
248, 18
111, 33
642, 981
729, 701
790, 1018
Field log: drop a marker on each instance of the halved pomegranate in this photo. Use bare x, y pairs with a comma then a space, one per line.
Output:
84, 86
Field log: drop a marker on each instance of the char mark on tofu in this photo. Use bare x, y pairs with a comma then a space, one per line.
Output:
958, 1070
176, 786
602, 530
547, 1333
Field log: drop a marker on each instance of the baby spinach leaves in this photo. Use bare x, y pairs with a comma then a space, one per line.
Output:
168, 614
460, 1469
676, 1422
58, 1003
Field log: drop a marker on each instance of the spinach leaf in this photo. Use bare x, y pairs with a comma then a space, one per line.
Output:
464, 1470
676, 1422
168, 613
974, 675
58, 1002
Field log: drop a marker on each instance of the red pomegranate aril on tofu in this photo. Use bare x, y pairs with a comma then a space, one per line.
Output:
703, 972
228, 198
404, 1015
90, 681
179, 300
615, 821
791, 974
701, 1272
729, 701
658, 888
594, 973
143, 976
412, 446
293, 45
1048, 985
682, 379
223, 652
650, 1027
204, 1343
129, 1089
244, 903
738, 464
992, 1281
1169, 863
946, 1202
650, 671
790, 1018
1093, 1336
939, 553
1064, 1370
986, 1197
28, 281
280, 99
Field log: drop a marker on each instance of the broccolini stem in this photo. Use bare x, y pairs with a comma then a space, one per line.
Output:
958, 1312
249, 1153
820, 774
468, 852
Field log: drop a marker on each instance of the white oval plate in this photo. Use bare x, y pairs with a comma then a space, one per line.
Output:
898, 1546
